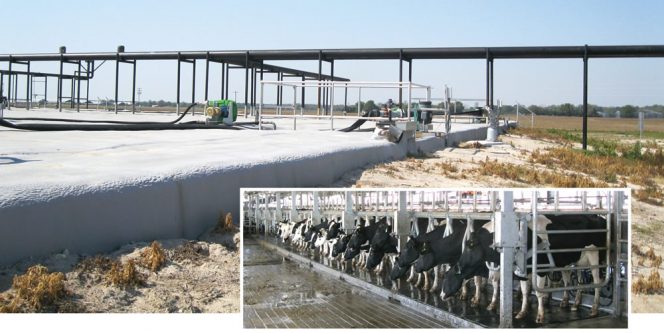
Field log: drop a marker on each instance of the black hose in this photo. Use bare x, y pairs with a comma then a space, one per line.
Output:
113, 127
107, 121
357, 124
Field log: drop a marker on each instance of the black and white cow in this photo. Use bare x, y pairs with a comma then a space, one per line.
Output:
446, 250
411, 251
358, 244
477, 247
478, 251
383, 245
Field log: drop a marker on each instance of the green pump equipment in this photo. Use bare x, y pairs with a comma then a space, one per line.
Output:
221, 111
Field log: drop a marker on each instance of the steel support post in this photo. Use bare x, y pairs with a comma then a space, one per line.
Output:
487, 78
78, 87
87, 85
400, 77
207, 73
222, 91
348, 218
193, 86
133, 87
315, 211
28, 81
117, 75
228, 80
585, 99
320, 75
177, 94
9, 83
402, 220
302, 94
507, 239
59, 85
246, 82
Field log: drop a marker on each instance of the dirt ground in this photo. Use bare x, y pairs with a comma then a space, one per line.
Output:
201, 275
647, 219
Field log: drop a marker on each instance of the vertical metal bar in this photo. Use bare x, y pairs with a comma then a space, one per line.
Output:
400, 76
193, 85
491, 85
59, 86
78, 87
228, 80
2, 84
87, 86
320, 75
223, 80
508, 241
246, 82
207, 74
71, 93
9, 84
585, 98
302, 109
410, 70
487, 77
133, 87
278, 90
345, 99
28, 81
117, 74
177, 94
332, 78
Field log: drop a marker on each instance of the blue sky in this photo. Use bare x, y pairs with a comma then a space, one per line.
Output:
42, 26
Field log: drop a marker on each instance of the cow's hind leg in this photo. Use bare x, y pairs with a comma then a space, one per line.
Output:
475, 301
495, 283
464, 290
436, 278
541, 283
567, 278
525, 291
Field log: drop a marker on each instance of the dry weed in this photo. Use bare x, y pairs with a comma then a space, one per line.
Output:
124, 275
651, 285
153, 257
534, 176
34, 290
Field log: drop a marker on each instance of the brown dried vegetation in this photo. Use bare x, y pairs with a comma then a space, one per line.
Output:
125, 275
34, 291
534, 176
153, 257
650, 285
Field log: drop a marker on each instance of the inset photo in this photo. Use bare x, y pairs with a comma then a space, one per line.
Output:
435, 258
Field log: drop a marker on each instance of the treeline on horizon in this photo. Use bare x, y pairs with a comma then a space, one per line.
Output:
565, 109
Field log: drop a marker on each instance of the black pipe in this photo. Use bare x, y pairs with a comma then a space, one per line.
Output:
320, 73
97, 127
608, 51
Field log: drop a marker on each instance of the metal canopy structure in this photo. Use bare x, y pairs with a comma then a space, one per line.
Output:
253, 61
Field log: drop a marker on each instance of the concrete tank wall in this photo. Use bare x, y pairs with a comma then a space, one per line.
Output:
102, 220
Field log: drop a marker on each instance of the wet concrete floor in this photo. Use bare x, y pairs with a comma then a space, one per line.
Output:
554, 315
281, 294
